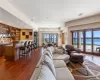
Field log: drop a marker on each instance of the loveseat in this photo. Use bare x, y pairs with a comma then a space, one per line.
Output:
52, 66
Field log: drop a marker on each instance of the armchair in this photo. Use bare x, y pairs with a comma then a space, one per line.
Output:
74, 56
71, 48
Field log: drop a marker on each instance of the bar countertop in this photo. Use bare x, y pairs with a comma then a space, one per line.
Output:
5, 43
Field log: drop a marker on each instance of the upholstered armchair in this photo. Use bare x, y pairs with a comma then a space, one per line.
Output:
74, 56
71, 48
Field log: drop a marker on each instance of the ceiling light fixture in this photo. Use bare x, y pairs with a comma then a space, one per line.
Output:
46, 17
33, 19
80, 14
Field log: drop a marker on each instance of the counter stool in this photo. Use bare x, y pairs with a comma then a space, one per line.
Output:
32, 44
23, 51
29, 46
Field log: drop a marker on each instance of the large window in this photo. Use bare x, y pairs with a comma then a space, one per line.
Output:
81, 39
96, 41
75, 39
87, 40
49, 37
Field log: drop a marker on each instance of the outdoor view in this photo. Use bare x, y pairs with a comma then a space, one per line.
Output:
49, 37
91, 38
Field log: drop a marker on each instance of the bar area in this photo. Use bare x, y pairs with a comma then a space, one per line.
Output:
11, 39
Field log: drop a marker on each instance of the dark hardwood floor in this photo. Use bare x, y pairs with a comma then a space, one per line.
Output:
21, 69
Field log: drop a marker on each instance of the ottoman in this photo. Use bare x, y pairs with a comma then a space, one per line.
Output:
77, 58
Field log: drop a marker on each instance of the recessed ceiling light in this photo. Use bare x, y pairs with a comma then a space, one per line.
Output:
46, 17
33, 19
80, 14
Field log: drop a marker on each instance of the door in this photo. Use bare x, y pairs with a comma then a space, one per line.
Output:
63, 42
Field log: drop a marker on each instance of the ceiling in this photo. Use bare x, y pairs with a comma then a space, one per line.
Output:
54, 13
7, 18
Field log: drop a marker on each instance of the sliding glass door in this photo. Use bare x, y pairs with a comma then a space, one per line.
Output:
96, 41
75, 39
81, 40
87, 40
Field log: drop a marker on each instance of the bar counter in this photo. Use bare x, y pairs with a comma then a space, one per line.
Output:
2, 50
10, 50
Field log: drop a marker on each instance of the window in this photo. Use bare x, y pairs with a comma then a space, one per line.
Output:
49, 37
96, 41
81, 39
88, 41
75, 39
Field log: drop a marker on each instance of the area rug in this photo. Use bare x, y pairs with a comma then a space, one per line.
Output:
91, 71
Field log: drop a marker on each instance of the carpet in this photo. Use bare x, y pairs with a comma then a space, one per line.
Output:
91, 71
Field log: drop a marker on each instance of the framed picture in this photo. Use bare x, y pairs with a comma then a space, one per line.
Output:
30, 33
27, 36
23, 33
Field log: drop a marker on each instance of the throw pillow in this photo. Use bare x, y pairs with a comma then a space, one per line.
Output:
49, 63
46, 74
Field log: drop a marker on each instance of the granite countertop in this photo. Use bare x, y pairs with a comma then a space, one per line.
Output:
5, 43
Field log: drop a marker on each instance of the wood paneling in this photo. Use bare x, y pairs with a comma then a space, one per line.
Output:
1, 51
27, 35
19, 70
63, 40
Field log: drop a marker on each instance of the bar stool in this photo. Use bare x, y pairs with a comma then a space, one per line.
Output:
29, 46
23, 51
32, 46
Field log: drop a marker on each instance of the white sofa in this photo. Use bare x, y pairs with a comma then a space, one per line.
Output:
51, 67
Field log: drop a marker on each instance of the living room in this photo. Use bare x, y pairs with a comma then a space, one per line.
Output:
49, 39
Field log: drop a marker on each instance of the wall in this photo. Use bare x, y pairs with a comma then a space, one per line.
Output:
44, 30
65, 31
23, 37
84, 23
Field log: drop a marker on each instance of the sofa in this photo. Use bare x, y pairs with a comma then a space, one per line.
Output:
52, 65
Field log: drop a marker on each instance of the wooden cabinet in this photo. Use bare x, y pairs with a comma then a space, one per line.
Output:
15, 33
9, 52
1, 51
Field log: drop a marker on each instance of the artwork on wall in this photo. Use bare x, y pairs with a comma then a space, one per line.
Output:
4, 29
23, 33
30, 33
27, 36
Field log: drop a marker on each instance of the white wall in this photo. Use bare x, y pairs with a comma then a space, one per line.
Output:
44, 30
65, 31
80, 24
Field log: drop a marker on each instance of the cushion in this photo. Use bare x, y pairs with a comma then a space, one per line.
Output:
49, 63
41, 59
49, 49
77, 54
63, 74
48, 54
52, 49
35, 74
64, 57
59, 64
46, 74
76, 58
58, 51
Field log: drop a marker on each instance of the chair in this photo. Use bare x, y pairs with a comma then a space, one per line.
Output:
32, 46
74, 56
72, 48
29, 46
23, 50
